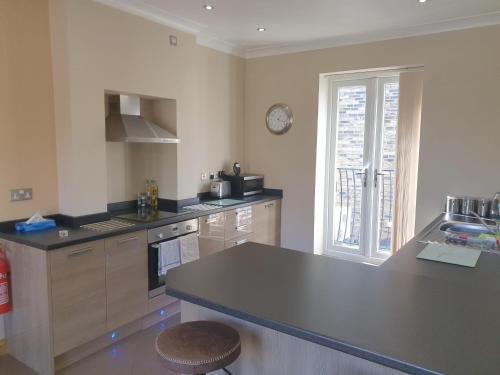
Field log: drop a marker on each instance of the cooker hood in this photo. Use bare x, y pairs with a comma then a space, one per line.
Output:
127, 125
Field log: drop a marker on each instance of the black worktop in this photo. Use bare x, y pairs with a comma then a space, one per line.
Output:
50, 240
403, 318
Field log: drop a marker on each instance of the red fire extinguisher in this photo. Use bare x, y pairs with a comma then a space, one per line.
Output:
5, 305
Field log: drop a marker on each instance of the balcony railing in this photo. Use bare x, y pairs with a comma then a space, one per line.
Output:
348, 207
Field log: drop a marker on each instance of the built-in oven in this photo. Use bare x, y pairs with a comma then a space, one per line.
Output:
164, 252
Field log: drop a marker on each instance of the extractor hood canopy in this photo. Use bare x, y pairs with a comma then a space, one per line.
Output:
129, 126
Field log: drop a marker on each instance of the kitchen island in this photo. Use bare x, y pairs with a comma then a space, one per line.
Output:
300, 313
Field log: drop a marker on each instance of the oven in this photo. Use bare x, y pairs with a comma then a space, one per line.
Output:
165, 237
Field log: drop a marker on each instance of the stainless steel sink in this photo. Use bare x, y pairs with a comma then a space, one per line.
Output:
465, 228
457, 229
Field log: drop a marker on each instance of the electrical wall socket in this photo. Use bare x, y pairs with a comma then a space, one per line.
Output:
203, 176
24, 194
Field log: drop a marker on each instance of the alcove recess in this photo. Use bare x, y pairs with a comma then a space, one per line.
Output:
129, 165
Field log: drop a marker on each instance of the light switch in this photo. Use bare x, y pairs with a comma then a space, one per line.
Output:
23, 194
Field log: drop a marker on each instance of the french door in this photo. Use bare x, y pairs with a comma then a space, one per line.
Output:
361, 165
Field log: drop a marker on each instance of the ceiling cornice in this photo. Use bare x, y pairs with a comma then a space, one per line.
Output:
220, 45
203, 38
156, 15
482, 20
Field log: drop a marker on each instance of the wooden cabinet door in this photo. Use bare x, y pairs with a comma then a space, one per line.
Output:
211, 238
126, 278
237, 241
78, 287
267, 223
239, 223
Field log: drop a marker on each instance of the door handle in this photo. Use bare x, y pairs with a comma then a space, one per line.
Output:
120, 242
80, 251
365, 176
375, 177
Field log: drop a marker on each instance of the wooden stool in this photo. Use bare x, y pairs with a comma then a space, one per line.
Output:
198, 347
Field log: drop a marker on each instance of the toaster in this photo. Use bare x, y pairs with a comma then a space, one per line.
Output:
220, 189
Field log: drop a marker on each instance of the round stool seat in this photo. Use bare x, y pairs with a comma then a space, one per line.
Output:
198, 347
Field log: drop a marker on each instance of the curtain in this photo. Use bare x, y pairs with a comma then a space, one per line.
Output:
407, 150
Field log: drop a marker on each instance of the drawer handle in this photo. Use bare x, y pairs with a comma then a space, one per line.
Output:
240, 227
269, 205
211, 221
80, 251
240, 241
128, 240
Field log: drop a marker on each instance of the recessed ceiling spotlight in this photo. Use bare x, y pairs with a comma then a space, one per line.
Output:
422, 1
209, 7
261, 29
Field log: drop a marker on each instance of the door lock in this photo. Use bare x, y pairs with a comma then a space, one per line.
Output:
375, 177
365, 176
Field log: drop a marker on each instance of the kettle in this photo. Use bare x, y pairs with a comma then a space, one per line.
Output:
495, 206
236, 169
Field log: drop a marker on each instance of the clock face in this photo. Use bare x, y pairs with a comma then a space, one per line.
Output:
279, 119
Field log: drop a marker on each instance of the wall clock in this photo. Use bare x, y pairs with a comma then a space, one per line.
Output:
279, 118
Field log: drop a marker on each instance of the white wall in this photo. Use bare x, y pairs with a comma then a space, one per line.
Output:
460, 119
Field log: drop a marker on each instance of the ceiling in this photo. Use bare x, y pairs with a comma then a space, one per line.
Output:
297, 25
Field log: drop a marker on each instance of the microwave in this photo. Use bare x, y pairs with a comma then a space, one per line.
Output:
245, 185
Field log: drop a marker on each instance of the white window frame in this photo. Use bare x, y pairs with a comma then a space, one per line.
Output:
374, 81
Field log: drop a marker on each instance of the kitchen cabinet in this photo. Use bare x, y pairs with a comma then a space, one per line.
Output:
267, 223
97, 287
211, 238
78, 288
239, 223
67, 301
237, 241
126, 278
257, 223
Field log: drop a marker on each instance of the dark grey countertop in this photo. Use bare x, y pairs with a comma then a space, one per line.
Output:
417, 316
50, 240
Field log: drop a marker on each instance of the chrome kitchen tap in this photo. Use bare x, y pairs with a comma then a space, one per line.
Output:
495, 206
485, 224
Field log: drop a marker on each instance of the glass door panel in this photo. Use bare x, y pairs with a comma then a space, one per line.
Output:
384, 175
348, 170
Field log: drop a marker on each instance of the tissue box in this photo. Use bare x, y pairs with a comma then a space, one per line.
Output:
40, 225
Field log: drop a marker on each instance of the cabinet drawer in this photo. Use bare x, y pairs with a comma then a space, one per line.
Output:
126, 278
78, 289
237, 241
212, 226
239, 222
